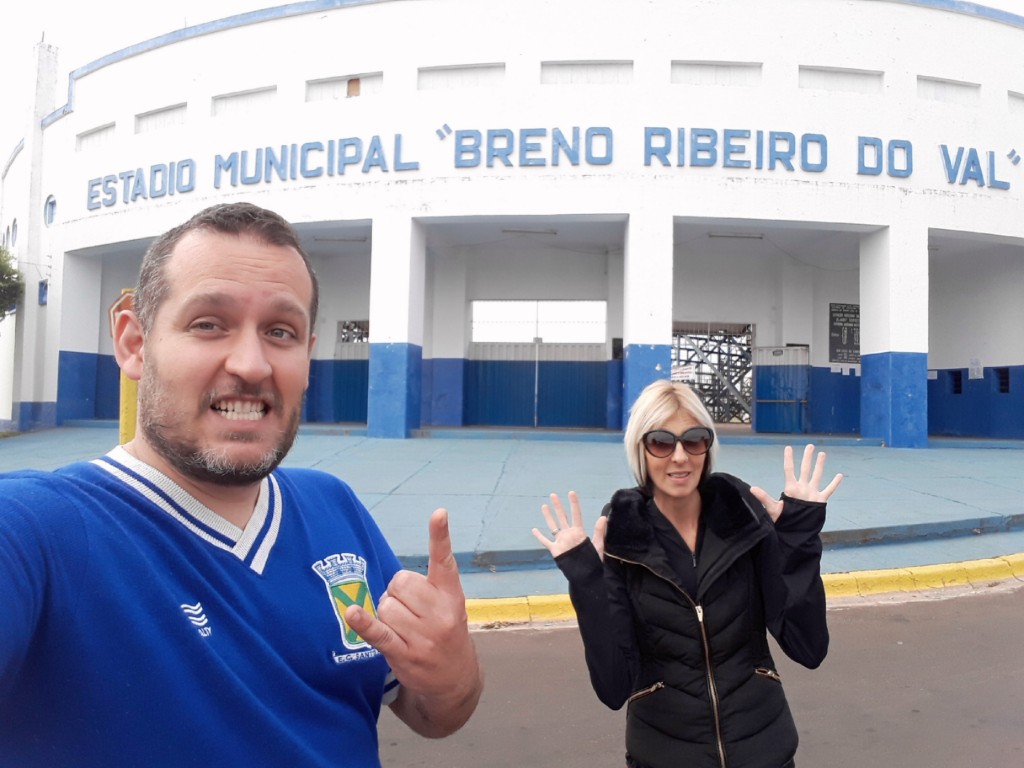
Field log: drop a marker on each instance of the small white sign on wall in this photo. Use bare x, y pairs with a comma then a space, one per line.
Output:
976, 370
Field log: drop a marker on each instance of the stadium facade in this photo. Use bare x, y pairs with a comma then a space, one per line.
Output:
811, 208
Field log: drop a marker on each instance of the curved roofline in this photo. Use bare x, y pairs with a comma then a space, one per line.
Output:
315, 6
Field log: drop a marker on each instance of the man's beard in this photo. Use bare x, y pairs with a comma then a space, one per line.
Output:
207, 465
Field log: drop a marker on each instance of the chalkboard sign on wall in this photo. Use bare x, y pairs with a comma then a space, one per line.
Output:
844, 333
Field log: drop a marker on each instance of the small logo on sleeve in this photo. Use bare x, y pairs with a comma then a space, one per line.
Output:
345, 578
196, 615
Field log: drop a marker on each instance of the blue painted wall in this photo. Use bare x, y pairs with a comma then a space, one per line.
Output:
613, 406
31, 416
781, 395
980, 409
570, 394
444, 381
337, 391
457, 392
108, 388
894, 398
499, 392
573, 394
88, 387
833, 406
76, 385
395, 390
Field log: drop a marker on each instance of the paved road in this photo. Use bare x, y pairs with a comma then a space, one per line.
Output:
934, 682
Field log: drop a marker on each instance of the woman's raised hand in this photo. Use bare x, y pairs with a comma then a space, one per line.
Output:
806, 487
567, 531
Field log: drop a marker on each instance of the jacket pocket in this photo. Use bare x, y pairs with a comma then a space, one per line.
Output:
769, 673
645, 692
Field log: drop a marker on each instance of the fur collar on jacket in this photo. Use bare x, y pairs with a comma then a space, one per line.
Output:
731, 512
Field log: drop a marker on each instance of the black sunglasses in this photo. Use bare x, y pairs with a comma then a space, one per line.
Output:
661, 443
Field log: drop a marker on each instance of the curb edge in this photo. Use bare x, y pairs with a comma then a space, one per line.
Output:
490, 613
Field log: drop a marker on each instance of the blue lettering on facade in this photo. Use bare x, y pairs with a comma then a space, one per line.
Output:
781, 148
172, 178
596, 138
306, 168
560, 146
400, 164
130, 186
222, 165
277, 162
972, 168
255, 175
703, 148
731, 149
528, 147
895, 157
350, 152
185, 175
734, 143
138, 185
310, 160
536, 147
375, 156
102, 192
499, 146
532, 147
811, 144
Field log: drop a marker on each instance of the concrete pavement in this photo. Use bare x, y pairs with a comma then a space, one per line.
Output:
950, 514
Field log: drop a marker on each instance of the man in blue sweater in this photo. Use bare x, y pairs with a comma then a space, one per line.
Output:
184, 601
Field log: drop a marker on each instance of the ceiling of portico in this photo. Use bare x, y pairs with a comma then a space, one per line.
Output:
822, 245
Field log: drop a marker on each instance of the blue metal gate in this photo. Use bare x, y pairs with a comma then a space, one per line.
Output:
536, 385
781, 389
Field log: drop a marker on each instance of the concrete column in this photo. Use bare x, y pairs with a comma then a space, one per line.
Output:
397, 272
449, 343
647, 303
894, 335
796, 310
614, 406
34, 391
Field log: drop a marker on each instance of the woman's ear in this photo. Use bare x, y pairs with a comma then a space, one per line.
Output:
129, 343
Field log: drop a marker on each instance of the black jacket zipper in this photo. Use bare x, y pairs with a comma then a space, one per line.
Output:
712, 687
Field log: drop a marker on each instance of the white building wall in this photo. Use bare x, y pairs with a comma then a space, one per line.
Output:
778, 102
344, 295
981, 292
849, 72
726, 283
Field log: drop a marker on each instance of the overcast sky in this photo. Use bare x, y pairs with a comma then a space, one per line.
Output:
84, 31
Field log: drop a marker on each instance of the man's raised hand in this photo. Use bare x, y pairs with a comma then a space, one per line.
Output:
422, 629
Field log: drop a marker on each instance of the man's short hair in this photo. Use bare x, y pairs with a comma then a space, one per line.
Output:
228, 218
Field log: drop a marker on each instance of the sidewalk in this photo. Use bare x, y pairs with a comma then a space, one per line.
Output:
897, 509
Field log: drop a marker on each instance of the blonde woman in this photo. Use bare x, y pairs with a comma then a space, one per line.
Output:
684, 577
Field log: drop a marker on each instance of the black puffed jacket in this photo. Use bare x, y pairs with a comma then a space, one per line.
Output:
697, 673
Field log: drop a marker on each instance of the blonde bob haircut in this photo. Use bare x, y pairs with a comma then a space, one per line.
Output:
657, 404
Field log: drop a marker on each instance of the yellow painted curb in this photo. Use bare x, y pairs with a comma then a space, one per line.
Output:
1016, 563
519, 610
551, 608
500, 610
539, 609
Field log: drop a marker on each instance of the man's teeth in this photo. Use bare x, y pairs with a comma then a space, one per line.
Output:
241, 410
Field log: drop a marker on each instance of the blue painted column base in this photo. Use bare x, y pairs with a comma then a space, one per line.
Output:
894, 398
29, 417
446, 385
642, 364
395, 390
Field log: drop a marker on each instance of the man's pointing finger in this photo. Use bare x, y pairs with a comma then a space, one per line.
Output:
442, 570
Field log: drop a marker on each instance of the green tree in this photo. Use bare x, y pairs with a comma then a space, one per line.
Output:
12, 284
